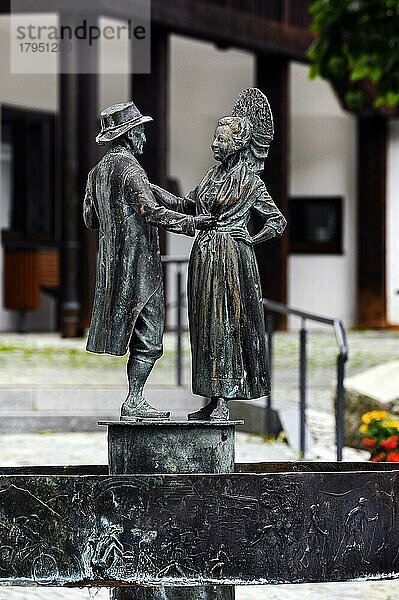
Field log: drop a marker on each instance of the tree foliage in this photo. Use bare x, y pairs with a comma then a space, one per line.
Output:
357, 43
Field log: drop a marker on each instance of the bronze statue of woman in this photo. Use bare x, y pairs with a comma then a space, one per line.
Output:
227, 329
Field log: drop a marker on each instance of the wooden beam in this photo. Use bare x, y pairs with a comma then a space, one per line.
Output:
199, 19
233, 27
78, 127
372, 159
216, 23
70, 246
88, 155
272, 79
150, 94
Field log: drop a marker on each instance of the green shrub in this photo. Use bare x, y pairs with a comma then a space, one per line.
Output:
357, 43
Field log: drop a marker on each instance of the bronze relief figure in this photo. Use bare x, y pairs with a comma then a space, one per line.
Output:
227, 330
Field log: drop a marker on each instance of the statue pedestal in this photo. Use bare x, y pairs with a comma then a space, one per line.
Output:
149, 447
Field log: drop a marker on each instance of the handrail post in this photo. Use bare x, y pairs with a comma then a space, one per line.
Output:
179, 358
340, 404
269, 330
341, 339
302, 387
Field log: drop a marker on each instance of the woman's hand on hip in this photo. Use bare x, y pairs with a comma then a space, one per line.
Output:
242, 236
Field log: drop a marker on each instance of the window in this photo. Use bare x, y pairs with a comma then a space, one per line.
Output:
315, 225
30, 136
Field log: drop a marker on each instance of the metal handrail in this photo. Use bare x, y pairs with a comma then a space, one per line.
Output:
339, 328
342, 357
174, 259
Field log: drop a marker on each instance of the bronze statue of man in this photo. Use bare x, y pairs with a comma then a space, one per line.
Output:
128, 312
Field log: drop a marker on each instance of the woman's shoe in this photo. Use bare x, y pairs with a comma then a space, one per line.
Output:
217, 409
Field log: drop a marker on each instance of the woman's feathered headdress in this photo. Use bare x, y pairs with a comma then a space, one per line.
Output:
253, 104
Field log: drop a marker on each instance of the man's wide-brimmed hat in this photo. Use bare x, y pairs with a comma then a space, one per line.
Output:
118, 119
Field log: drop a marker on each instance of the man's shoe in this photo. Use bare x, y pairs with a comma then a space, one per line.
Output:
217, 409
136, 408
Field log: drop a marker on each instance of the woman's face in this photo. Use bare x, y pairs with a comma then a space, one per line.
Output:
223, 144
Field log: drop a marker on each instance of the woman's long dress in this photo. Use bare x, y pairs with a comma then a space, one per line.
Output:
227, 329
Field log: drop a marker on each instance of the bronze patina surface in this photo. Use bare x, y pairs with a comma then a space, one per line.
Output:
227, 329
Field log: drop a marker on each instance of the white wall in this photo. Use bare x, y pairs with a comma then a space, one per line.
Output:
35, 91
323, 162
393, 224
114, 86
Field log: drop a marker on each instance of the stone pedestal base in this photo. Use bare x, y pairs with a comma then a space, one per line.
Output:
171, 447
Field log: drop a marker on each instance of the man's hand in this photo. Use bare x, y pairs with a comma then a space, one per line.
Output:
204, 222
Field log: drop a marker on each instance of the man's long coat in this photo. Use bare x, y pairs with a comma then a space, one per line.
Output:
119, 202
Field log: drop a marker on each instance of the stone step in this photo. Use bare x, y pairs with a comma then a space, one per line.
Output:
39, 423
89, 399
290, 420
253, 413
62, 408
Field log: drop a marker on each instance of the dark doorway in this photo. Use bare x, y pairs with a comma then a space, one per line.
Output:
31, 257
31, 136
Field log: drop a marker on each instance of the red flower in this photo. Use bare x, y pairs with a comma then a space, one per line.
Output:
390, 443
368, 442
393, 457
379, 458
